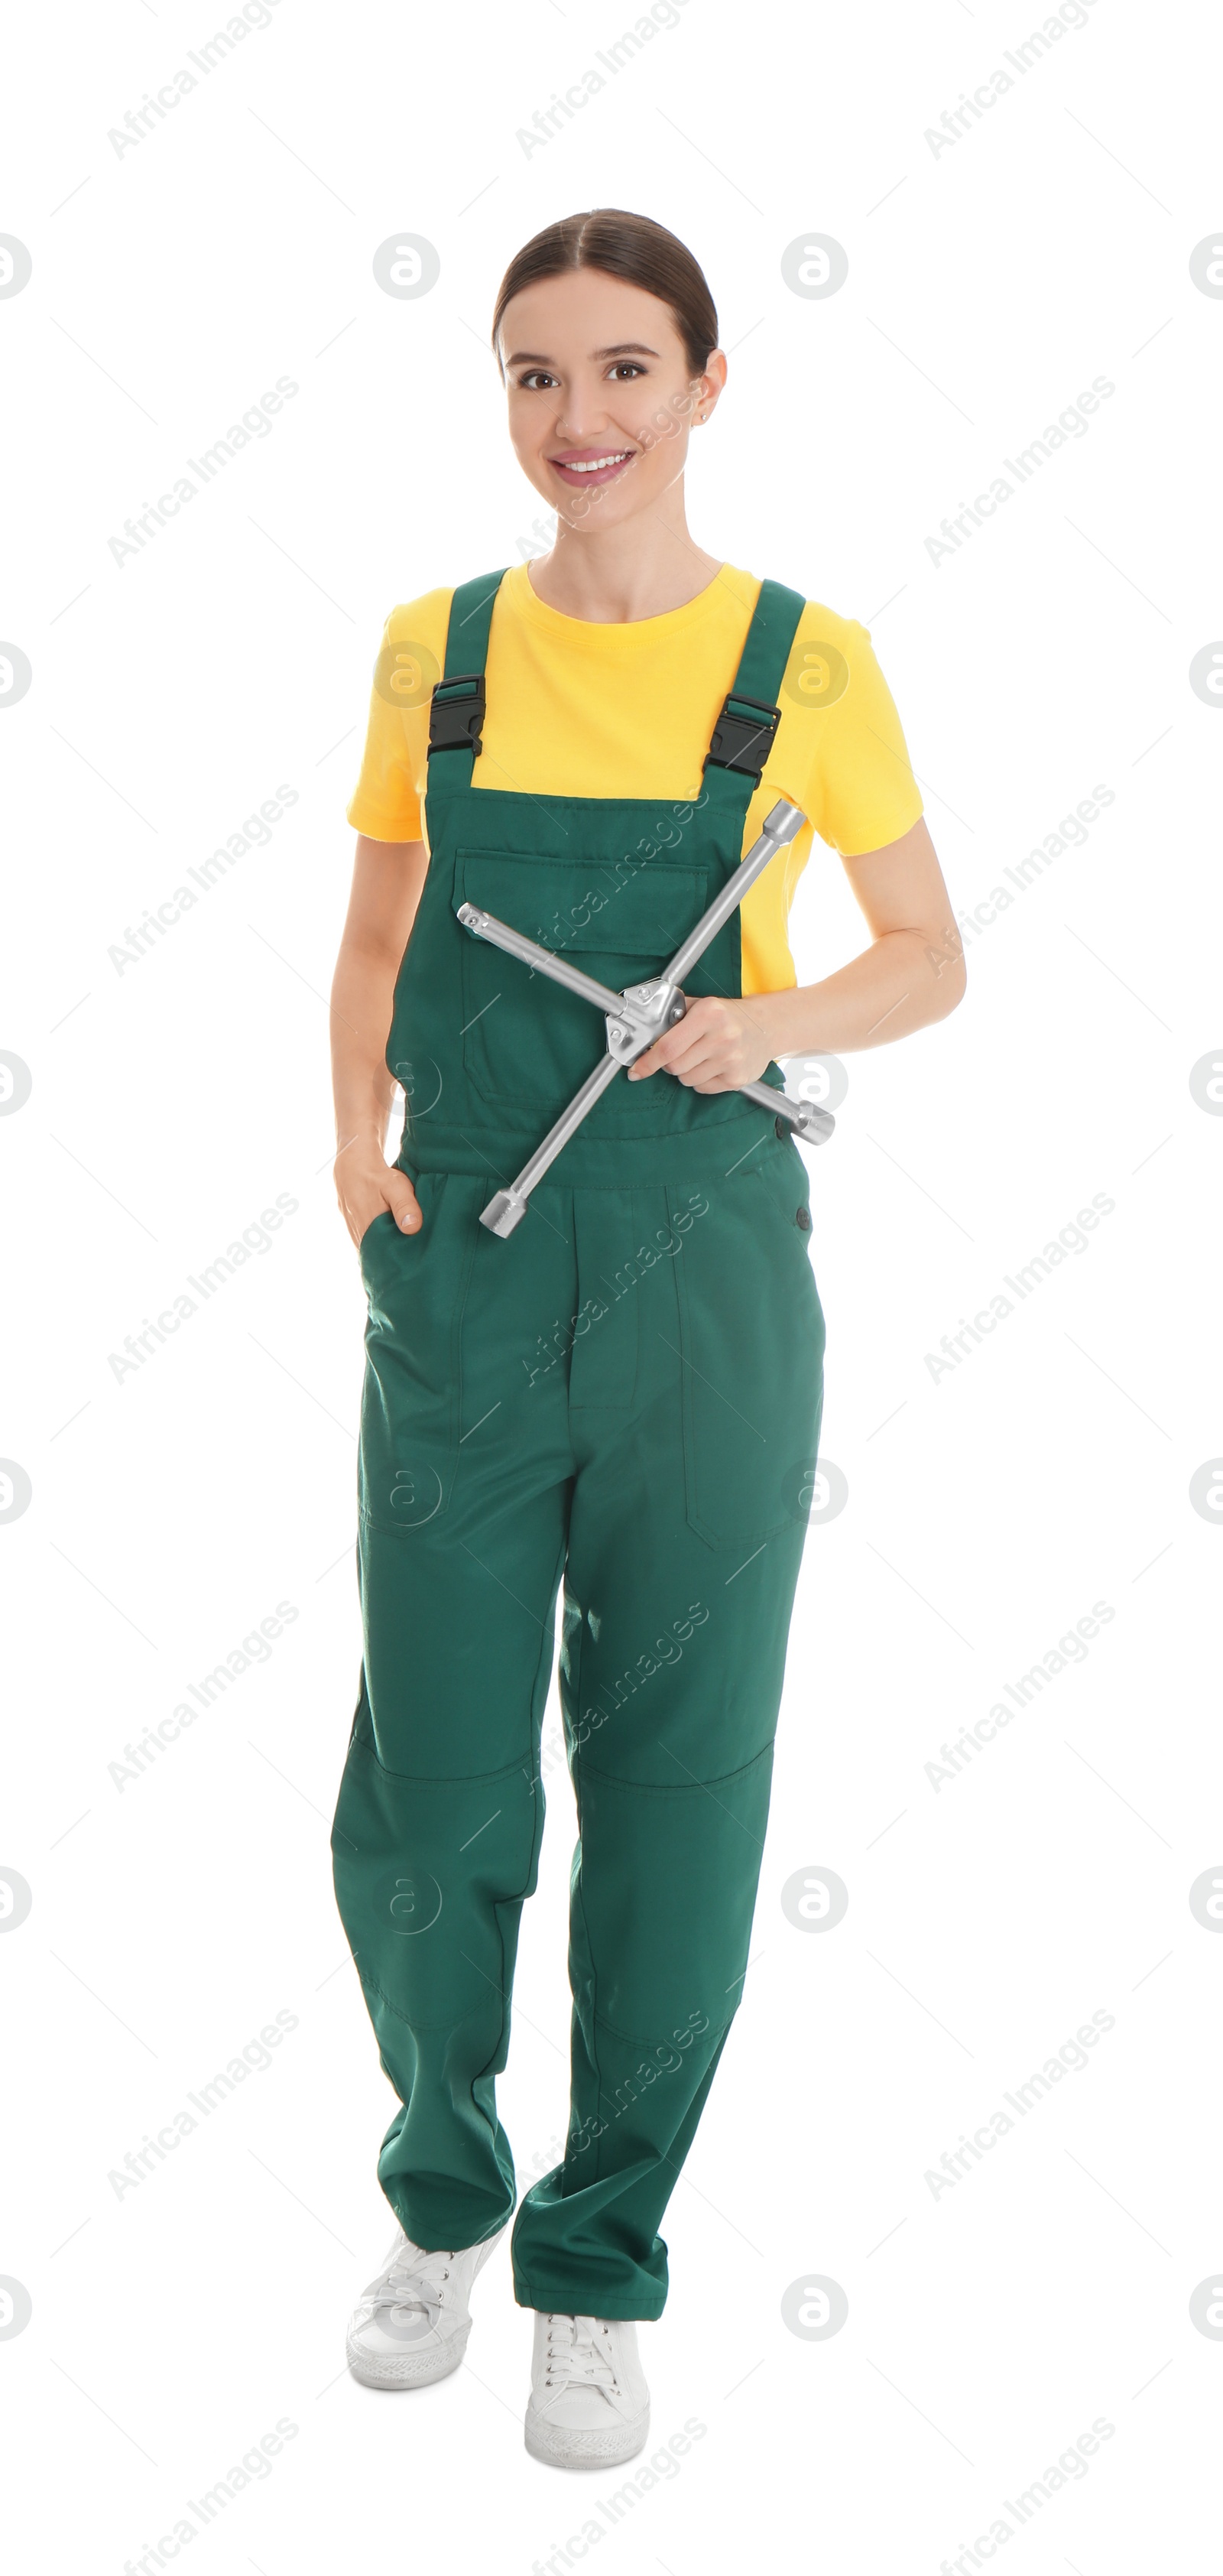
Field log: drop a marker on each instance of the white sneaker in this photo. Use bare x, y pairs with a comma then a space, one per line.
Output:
589, 2406
411, 2325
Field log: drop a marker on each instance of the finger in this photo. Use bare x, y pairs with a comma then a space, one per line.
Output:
669, 1051
403, 1202
702, 1060
671, 1048
650, 1062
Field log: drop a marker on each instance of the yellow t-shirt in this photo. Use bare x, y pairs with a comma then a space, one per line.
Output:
576, 708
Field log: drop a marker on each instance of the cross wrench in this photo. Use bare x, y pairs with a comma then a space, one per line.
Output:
639, 1015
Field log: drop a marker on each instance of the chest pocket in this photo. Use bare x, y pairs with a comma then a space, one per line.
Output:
526, 1039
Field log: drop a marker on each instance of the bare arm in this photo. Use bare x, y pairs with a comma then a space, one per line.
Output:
386, 888
912, 973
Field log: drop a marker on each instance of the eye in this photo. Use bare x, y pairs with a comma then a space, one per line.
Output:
534, 377
629, 366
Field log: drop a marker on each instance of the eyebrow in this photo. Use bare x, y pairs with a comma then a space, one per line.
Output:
623, 349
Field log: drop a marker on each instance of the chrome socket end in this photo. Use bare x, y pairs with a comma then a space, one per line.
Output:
784, 821
802, 1118
503, 1213
816, 1125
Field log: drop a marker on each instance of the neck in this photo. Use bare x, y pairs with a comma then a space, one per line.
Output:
613, 576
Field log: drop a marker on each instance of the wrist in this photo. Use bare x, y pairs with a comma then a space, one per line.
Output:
360, 1144
771, 1020
789, 1020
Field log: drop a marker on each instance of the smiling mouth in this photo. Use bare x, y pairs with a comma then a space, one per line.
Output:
589, 469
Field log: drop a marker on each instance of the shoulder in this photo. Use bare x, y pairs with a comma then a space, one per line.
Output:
740, 595
819, 619
831, 659
419, 625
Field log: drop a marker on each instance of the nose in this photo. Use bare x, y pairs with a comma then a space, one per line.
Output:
581, 428
582, 417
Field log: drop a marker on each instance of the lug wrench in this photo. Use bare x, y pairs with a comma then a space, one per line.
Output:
639, 1015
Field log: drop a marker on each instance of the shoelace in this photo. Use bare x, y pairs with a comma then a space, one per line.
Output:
582, 2354
412, 2283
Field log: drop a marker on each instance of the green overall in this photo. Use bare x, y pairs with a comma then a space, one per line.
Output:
625, 1394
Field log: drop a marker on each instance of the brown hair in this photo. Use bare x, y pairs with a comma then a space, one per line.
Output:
628, 246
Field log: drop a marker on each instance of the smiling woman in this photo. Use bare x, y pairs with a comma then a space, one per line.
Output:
581, 751
663, 379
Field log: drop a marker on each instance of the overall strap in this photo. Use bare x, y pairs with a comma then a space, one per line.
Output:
456, 715
743, 735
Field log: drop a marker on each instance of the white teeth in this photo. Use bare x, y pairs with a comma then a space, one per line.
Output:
591, 465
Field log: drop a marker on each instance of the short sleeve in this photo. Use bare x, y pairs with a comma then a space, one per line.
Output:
386, 802
861, 786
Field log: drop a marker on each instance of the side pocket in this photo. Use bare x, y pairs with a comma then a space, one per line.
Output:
417, 1287
783, 1176
368, 1244
751, 1346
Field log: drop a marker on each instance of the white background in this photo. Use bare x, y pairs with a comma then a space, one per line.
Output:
172, 1917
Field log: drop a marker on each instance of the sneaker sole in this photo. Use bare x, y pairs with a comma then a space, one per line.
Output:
418, 2371
562, 2449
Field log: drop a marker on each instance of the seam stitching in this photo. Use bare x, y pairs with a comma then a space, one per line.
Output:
433, 1779
679, 1788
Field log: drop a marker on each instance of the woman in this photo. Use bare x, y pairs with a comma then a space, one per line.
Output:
624, 1393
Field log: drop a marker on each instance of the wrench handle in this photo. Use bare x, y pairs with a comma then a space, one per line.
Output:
507, 1207
814, 1125
781, 824
544, 961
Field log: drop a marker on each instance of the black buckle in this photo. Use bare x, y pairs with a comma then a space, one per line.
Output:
456, 715
743, 741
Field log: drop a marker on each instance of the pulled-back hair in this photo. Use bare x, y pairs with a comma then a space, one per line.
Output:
622, 245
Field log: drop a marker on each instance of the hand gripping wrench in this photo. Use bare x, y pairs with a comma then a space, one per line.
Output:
638, 1015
